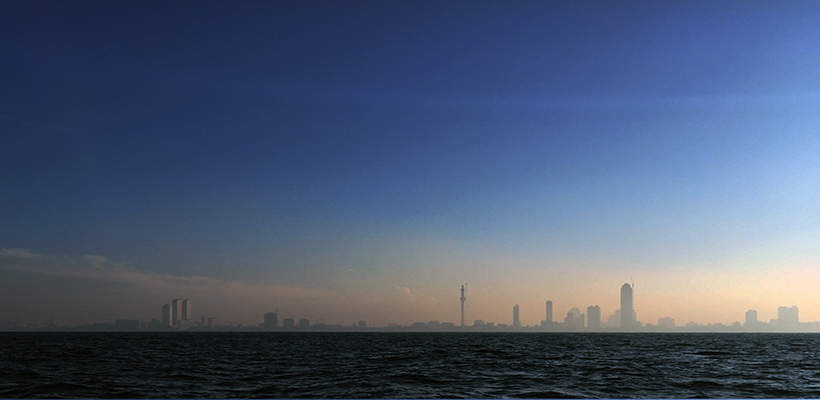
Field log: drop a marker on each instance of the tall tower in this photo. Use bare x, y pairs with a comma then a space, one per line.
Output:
516, 320
176, 311
187, 311
594, 317
751, 318
271, 320
463, 299
627, 309
549, 312
166, 315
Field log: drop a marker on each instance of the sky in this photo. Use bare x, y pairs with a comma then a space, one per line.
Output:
346, 161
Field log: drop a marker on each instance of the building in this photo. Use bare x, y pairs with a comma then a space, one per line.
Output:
628, 320
751, 318
304, 323
288, 323
271, 321
549, 318
516, 319
362, 324
570, 321
594, 317
463, 299
666, 322
166, 315
787, 318
187, 311
176, 311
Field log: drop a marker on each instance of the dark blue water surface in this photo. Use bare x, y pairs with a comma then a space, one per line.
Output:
408, 365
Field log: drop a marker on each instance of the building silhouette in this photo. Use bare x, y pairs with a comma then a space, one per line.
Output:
594, 317
787, 318
570, 321
628, 320
271, 320
362, 324
666, 322
549, 318
751, 318
166, 315
516, 320
176, 311
288, 323
463, 299
304, 323
187, 311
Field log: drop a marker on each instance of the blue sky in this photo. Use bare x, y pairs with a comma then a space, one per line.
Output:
339, 147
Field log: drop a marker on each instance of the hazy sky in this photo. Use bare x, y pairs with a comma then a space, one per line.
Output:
362, 160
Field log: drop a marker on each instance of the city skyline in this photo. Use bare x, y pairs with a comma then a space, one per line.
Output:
177, 314
362, 161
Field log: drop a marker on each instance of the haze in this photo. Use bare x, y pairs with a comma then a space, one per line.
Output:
345, 161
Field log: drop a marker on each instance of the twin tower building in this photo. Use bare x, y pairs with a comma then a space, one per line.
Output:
178, 312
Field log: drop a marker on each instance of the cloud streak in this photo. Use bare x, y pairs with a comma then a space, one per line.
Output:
102, 269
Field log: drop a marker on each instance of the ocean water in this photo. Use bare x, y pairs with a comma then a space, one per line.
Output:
408, 365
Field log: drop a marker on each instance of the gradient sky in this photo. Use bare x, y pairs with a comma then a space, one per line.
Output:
361, 160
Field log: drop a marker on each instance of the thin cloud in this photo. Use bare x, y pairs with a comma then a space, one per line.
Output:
100, 268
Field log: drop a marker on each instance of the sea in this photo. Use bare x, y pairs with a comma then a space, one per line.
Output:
408, 365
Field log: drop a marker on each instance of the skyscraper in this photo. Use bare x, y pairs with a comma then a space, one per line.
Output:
751, 318
787, 318
594, 317
176, 311
516, 320
627, 310
549, 312
166, 315
271, 320
187, 312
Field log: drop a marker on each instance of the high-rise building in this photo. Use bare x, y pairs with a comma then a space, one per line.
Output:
271, 320
570, 321
516, 320
176, 311
187, 311
549, 312
751, 318
166, 315
628, 320
304, 323
575, 319
787, 318
594, 317
362, 324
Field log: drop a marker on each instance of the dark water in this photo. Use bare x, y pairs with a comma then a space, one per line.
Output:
408, 365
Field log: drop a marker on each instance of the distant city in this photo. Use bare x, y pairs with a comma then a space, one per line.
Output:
178, 316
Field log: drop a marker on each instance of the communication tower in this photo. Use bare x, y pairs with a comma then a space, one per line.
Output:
463, 299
